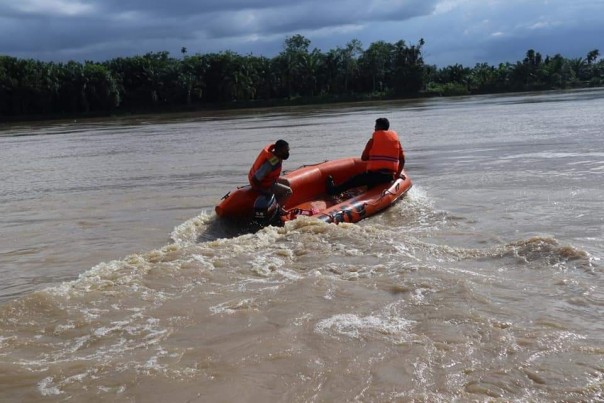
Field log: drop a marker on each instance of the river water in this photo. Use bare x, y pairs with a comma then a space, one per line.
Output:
485, 282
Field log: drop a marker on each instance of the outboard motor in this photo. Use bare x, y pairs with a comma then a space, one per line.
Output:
266, 210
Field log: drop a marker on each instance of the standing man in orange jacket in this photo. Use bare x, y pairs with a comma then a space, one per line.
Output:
264, 174
385, 160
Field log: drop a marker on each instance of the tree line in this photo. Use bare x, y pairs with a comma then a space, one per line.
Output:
157, 81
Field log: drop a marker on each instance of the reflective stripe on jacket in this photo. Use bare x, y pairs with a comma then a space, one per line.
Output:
385, 151
275, 167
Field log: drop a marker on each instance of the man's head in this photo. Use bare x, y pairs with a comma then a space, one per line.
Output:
382, 124
282, 149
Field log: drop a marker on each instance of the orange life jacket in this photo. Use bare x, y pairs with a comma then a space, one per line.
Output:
385, 151
273, 175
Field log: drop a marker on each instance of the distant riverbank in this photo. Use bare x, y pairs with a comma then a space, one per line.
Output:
159, 83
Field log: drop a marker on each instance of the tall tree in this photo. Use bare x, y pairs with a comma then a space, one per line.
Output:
100, 88
350, 56
592, 56
375, 61
295, 50
407, 68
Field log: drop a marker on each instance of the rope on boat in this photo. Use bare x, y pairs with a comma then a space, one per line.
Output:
304, 166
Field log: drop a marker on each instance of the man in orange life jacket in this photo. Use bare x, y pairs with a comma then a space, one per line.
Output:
385, 160
264, 174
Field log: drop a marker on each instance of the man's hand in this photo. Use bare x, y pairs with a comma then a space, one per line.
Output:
258, 187
256, 183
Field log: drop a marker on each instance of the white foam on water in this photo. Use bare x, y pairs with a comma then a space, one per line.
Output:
47, 387
233, 306
78, 343
203, 261
351, 325
107, 389
4, 340
101, 277
265, 265
188, 232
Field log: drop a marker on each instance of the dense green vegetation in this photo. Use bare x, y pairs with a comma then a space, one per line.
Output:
157, 81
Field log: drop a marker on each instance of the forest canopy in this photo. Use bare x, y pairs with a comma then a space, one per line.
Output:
158, 81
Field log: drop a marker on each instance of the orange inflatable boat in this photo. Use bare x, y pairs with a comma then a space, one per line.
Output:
311, 199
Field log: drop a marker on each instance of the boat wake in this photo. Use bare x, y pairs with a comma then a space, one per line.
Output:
171, 316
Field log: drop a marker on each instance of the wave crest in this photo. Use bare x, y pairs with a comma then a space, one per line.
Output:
549, 251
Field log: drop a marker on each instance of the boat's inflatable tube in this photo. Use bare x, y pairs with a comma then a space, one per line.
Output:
310, 198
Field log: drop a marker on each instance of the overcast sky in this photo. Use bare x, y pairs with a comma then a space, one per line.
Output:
455, 31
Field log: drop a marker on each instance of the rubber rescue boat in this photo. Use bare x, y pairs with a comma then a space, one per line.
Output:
310, 198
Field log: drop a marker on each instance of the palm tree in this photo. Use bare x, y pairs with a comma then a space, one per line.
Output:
295, 49
592, 56
578, 66
310, 64
375, 61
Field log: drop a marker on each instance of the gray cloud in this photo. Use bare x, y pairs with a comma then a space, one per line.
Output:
456, 31
475, 31
77, 28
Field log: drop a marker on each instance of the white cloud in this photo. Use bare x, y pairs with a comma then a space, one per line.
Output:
446, 6
127, 17
54, 7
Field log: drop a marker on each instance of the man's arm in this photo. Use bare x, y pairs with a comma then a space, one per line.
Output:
401, 161
260, 174
255, 183
365, 155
